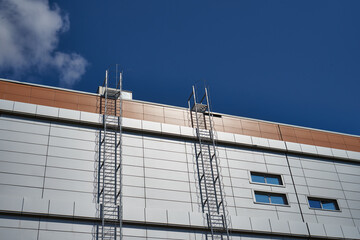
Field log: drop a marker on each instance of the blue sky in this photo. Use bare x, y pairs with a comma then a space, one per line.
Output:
294, 62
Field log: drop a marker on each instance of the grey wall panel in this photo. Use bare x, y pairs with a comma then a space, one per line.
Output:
23, 137
132, 140
299, 181
18, 234
167, 195
289, 216
15, 157
277, 169
325, 192
9, 222
226, 180
260, 167
132, 161
131, 191
310, 218
312, 182
55, 225
347, 168
297, 172
25, 169
243, 202
60, 235
22, 125
71, 153
239, 154
11, 203
132, 151
167, 184
312, 173
62, 207
21, 180
167, 164
35, 205
239, 173
275, 159
353, 204
253, 212
78, 164
22, 147
29, 223
318, 164
165, 174
67, 131
69, 174
165, 155
18, 191
294, 161
349, 178
163, 234
133, 180
352, 195
133, 202
88, 145
335, 220
68, 195
70, 185
127, 237
133, 170
161, 204
344, 213
134, 233
164, 144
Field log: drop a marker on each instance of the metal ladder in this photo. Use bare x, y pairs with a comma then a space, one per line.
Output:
109, 187
209, 179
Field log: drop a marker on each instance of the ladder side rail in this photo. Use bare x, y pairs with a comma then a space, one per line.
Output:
104, 155
217, 167
99, 164
205, 179
115, 166
197, 161
115, 156
213, 177
202, 163
191, 114
120, 207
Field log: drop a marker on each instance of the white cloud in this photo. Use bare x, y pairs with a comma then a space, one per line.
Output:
29, 36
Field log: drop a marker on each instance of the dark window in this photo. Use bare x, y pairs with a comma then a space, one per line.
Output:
266, 178
271, 198
278, 199
327, 204
263, 198
314, 203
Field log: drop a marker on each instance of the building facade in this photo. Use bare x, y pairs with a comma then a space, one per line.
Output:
278, 181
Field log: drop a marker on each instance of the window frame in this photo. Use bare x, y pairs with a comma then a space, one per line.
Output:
269, 194
280, 177
320, 199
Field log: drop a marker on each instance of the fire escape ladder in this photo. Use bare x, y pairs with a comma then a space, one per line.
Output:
109, 195
209, 179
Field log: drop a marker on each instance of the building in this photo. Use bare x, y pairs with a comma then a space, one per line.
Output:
277, 181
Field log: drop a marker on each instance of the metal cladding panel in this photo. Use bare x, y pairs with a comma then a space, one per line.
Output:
56, 161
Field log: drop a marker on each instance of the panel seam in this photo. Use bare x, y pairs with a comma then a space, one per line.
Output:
46, 159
